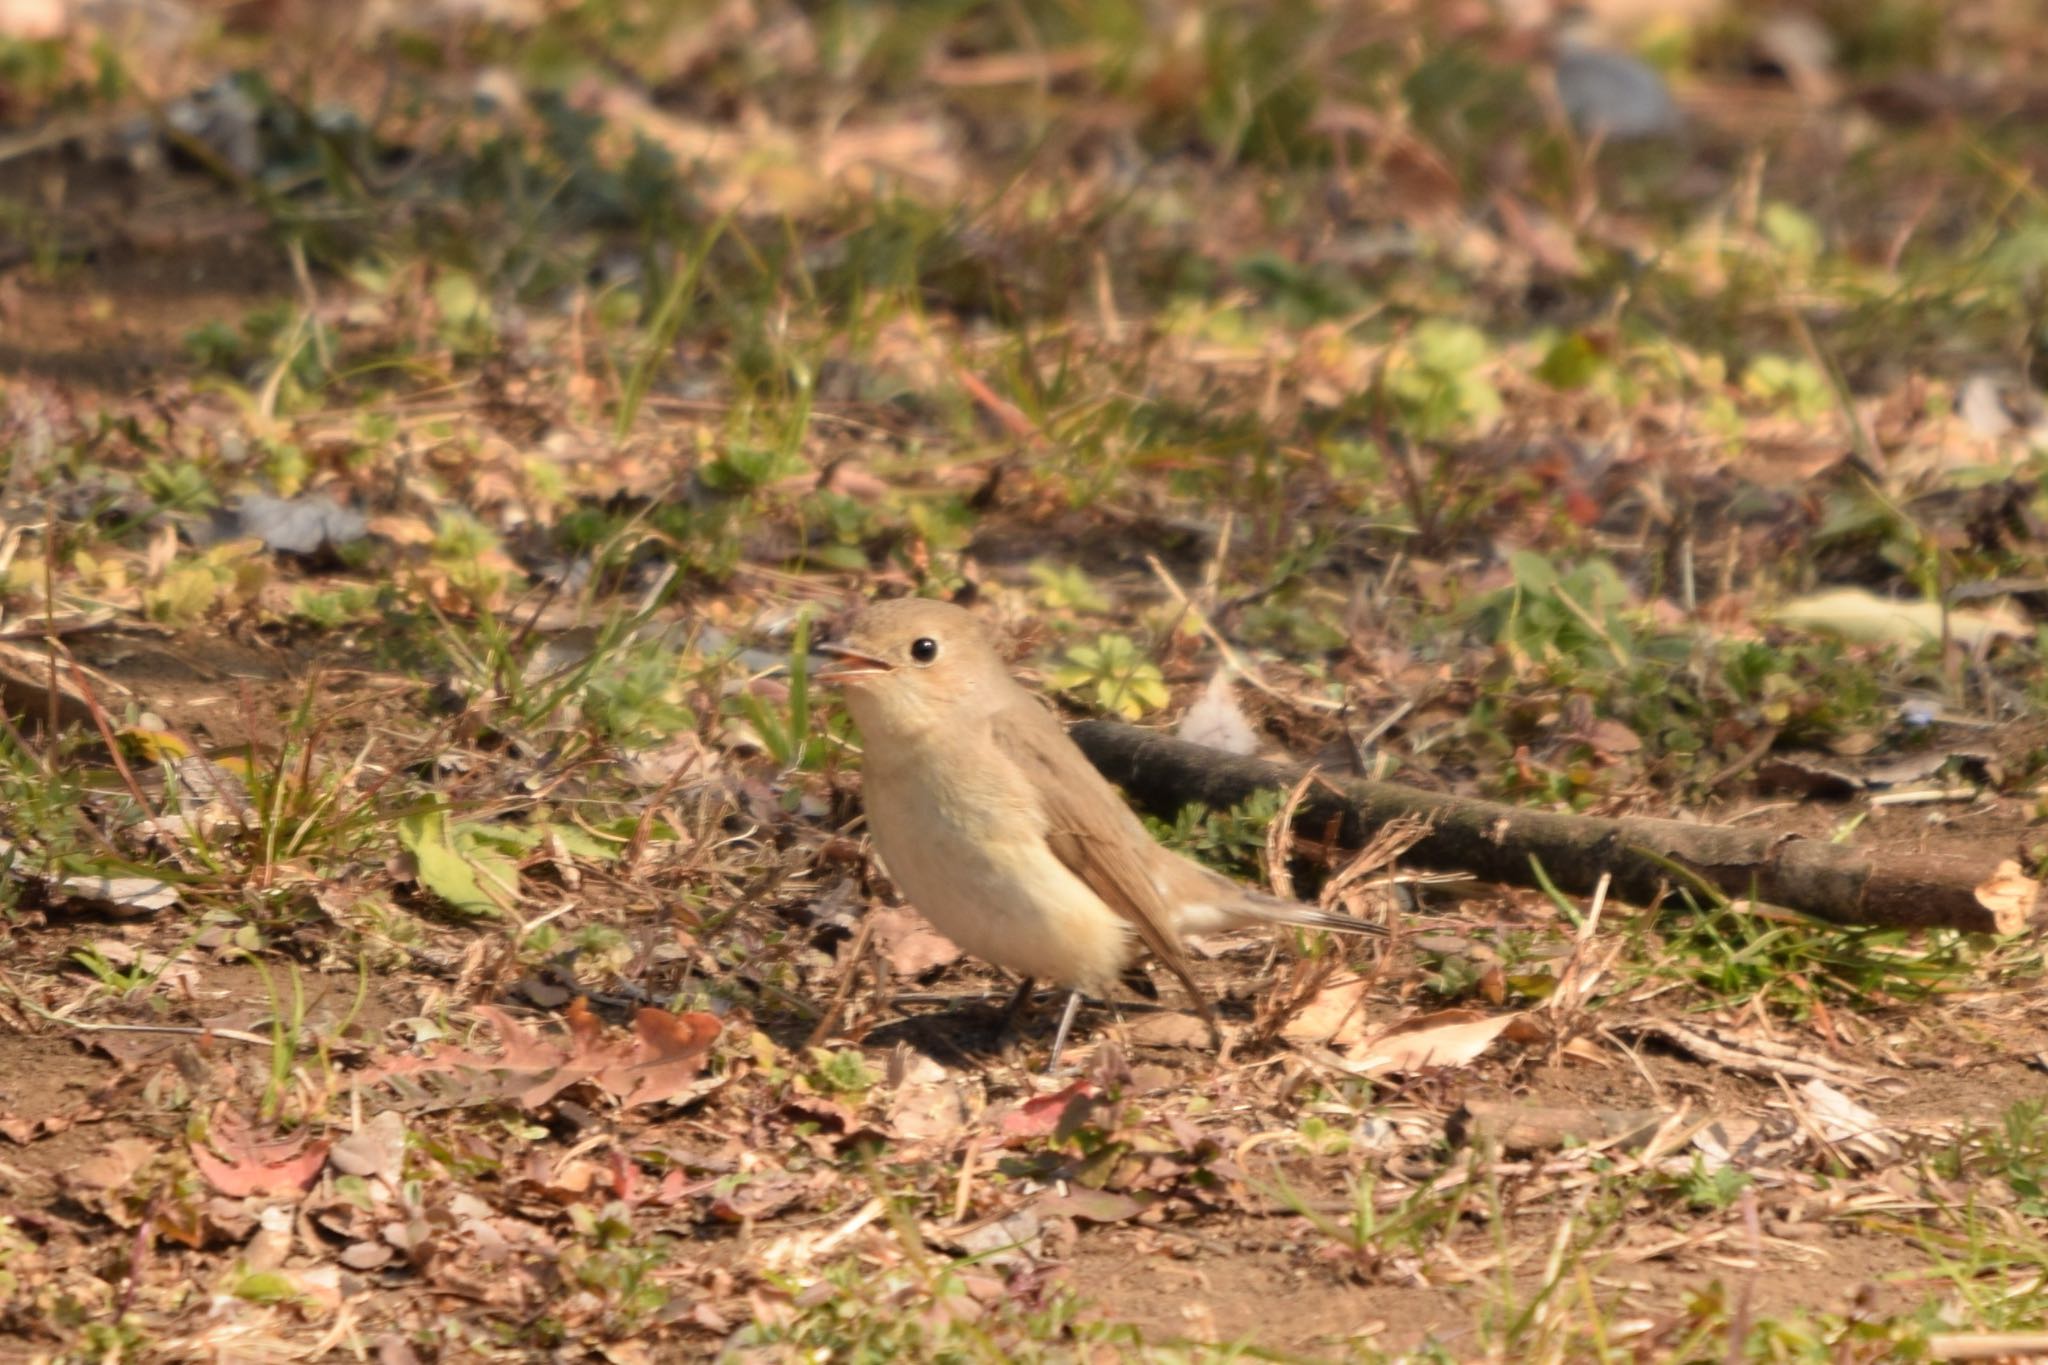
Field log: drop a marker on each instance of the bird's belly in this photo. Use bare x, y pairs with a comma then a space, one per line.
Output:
988, 881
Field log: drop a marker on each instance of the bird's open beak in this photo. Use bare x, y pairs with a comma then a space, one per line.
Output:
851, 665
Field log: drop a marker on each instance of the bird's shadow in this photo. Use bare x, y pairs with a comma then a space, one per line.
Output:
974, 1032
970, 1031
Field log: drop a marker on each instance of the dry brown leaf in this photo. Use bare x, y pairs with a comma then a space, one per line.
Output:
759, 1198
927, 1105
1013, 68
1169, 1028
1864, 617
1090, 1205
1445, 1038
1336, 1015
667, 1058
1849, 1125
375, 1151
2011, 896
28, 684
114, 1166
909, 944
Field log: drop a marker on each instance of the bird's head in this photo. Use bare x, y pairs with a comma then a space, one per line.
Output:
910, 665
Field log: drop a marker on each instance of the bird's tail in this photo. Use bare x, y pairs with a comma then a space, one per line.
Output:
1252, 907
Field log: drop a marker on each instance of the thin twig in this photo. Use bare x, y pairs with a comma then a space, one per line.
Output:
233, 1035
1237, 662
830, 1018
99, 719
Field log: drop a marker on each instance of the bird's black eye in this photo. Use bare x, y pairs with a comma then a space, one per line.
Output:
924, 649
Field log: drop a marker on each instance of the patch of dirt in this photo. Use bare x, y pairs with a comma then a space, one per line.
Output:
42, 1075
1205, 1285
1840, 1270
229, 694
142, 265
94, 1075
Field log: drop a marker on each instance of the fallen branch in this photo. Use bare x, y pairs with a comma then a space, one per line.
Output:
1523, 1129
1986, 1345
1887, 887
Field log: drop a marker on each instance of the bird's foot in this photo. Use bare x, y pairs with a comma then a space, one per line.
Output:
1019, 1004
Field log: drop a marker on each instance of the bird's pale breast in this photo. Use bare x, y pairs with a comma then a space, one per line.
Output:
964, 843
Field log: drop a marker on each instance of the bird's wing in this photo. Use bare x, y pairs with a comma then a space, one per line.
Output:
1089, 829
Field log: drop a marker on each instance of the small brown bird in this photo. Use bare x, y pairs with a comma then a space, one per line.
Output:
995, 825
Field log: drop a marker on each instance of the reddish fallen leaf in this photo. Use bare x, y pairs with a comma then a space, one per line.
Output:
668, 1056
568, 1182
627, 1183
676, 1186
521, 1048
662, 1059
1040, 1115
250, 1164
1007, 414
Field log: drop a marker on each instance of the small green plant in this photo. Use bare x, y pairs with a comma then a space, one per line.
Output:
638, 698
1710, 1191
470, 866
1378, 1226
840, 1071
1114, 675
1735, 955
2014, 1151
1233, 840
667, 322
179, 485
1065, 588
469, 553
135, 979
287, 1035
1577, 613
1322, 1137
222, 577
1796, 385
610, 1259
922, 1310
1437, 383
335, 608
785, 730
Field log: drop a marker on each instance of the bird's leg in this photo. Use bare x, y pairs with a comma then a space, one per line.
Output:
1018, 1004
1059, 1037
1209, 1018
